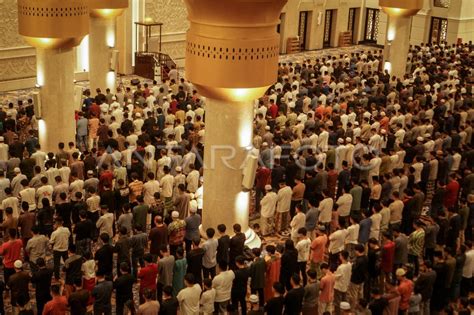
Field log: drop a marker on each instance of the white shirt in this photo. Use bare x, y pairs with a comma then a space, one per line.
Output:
45, 191
352, 234
303, 248
13, 203
284, 199
167, 185
376, 219
297, 222
468, 269
325, 208
149, 189
29, 195
188, 299
336, 241
343, 277
105, 224
344, 203
223, 285
3, 152
268, 204
60, 239
192, 181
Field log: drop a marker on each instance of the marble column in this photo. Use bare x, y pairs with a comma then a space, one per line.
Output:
101, 41
397, 44
229, 128
55, 69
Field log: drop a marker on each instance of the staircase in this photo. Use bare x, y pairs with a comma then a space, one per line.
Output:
153, 65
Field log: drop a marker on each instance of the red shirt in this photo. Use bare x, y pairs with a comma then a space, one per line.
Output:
147, 276
263, 177
388, 252
274, 110
174, 107
452, 190
105, 178
11, 251
94, 109
405, 288
57, 306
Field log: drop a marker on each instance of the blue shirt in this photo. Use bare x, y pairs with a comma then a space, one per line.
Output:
364, 230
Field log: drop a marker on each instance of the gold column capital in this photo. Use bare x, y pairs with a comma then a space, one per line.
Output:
401, 8
53, 23
232, 47
107, 9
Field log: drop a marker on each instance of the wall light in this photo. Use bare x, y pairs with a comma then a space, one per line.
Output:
42, 129
391, 34
84, 55
110, 79
110, 36
241, 208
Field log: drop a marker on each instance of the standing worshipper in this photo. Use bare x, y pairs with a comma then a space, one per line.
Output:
102, 295
236, 245
41, 278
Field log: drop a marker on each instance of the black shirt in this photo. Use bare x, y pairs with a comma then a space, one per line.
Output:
236, 246
359, 270
239, 285
294, 301
73, 269
194, 259
78, 302
64, 211
169, 307
377, 306
223, 244
42, 279
124, 287
274, 306
84, 230
122, 248
105, 257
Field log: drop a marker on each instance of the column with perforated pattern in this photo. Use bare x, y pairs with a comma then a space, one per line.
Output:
54, 27
231, 58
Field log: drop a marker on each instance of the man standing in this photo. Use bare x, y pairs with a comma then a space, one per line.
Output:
165, 271
303, 247
236, 246
268, 205
189, 297
222, 283
58, 305
283, 207
42, 279
60, 243
343, 277
176, 232
102, 294
405, 289
358, 274
209, 260
124, 288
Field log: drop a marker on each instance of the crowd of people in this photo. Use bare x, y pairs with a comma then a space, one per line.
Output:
364, 197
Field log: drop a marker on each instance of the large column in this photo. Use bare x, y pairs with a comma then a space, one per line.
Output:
229, 130
57, 121
54, 27
102, 41
231, 58
397, 40
397, 44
